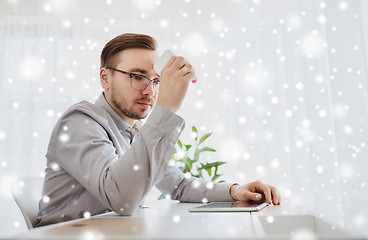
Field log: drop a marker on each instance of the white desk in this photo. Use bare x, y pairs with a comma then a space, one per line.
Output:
167, 219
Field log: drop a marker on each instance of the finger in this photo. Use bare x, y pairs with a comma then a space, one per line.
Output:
275, 195
186, 69
170, 62
264, 189
192, 71
252, 196
179, 63
191, 76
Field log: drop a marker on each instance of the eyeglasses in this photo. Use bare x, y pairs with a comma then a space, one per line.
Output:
139, 82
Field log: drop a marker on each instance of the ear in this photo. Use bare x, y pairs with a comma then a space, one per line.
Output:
104, 78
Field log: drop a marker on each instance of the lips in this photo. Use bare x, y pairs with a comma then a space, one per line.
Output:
145, 104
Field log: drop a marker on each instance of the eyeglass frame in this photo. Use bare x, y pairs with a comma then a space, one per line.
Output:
131, 75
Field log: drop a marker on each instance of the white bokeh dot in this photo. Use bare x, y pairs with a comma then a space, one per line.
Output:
270, 219
274, 100
64, 137
288, 113
16, 224
2, 135
176, 218
50, 113
45, 199
348, 130
55, 167
320, 169
322, 113
86, 214
242, 120
299, 143
246, 155
164, 23
343, 5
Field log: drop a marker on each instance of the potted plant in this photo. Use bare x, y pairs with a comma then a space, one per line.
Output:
188, 156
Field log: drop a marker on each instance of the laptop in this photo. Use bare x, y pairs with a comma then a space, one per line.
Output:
249, 206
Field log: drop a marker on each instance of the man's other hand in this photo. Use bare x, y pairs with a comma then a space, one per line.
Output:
174, 82
255, 191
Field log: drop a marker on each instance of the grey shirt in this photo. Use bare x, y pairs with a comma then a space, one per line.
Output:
97, 163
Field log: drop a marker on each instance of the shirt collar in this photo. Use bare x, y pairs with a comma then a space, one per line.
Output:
120, 123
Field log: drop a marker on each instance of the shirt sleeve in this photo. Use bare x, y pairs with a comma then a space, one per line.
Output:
85, 150
193, 189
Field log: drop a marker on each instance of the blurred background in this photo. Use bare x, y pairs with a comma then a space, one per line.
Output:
282, 84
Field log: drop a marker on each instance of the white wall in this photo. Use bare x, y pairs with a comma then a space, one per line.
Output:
281, 83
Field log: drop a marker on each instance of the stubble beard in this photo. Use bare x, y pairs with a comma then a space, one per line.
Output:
129, 112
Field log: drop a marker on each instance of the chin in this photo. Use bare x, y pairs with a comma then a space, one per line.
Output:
145, 113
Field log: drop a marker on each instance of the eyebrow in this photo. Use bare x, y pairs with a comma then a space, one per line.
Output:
140, 70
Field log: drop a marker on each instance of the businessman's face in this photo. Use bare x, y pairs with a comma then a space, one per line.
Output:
131, 104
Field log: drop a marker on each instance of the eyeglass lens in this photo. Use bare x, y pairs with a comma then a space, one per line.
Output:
140, 83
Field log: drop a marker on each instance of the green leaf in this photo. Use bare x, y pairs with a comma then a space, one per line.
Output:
194, 165
216, 168
222, 181
187, 147
193, 160
211, 165
199, 175
188, 163
196, 154
196, 176
194, 129
204, 137
204, 149
207, 149
216, 177
209, 171
172, 155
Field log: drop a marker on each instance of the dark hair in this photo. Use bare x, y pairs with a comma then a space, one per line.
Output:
123, 42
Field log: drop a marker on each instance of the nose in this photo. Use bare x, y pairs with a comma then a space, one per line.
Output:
149, 90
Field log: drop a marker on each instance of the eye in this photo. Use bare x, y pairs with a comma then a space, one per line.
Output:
156, 81
137, 77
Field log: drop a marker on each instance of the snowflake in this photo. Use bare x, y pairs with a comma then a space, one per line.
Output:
45, 199
312, 45
164, 23
343, 6
293, 21
2, 135
64, 137
303, 234
242, 120
270, 219
320, 170
50, 113
176, 218
86, 214
194, 44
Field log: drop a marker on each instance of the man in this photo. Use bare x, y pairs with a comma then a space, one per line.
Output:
100, 158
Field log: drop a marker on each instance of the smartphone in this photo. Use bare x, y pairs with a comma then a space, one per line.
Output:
163, 59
